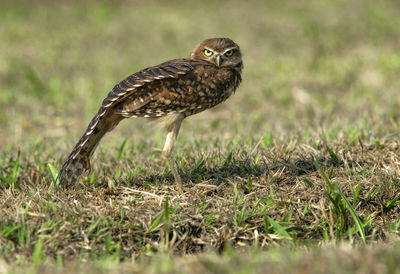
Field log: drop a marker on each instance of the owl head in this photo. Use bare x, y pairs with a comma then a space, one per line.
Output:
222, 52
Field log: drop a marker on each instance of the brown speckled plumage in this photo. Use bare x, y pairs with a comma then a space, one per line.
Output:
167, 94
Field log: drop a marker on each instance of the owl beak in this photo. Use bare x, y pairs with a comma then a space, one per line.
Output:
218, 60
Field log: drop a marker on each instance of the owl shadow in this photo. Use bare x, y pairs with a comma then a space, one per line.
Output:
248, 169
242, 171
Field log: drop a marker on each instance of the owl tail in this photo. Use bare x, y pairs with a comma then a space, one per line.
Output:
79, 159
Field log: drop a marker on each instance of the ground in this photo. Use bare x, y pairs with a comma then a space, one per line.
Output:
297, 172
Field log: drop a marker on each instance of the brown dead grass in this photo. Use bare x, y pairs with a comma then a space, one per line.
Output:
319, 74
304, 207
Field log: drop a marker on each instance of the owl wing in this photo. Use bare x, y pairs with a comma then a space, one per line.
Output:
131, 94
140, 88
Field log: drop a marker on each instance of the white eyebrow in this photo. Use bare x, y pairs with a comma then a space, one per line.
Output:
230, 49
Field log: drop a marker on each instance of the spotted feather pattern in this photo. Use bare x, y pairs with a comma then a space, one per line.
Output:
107, 118
177, 88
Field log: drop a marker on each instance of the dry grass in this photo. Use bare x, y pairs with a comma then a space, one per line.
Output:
304, 157
231, 204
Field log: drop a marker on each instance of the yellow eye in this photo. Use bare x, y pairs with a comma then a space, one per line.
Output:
208, 52
229, 53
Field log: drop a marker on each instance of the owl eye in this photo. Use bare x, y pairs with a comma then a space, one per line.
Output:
229, 53
208, 52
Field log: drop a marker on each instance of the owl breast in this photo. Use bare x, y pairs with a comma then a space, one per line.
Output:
211, 87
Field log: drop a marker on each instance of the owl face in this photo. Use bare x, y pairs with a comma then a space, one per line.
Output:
222, 52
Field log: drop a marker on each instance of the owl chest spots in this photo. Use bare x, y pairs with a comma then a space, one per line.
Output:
216, 87
190, 93
212, 89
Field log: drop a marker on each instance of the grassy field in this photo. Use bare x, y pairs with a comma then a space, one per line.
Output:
298, 172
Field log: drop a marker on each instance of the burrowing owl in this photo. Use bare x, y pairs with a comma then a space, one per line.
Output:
166, 94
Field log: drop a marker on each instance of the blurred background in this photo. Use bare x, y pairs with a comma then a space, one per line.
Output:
311, 68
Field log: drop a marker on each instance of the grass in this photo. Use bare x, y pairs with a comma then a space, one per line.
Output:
298, 171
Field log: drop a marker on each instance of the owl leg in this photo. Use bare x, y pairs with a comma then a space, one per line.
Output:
168, 150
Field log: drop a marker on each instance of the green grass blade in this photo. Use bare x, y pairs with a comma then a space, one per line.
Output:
333, 155
355, 217
267, 140
331, 186
121, 149
38, 253
155, 223
356, 193
53, 174
392, 202
5, 180
278, 228
166, 211
93, 226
